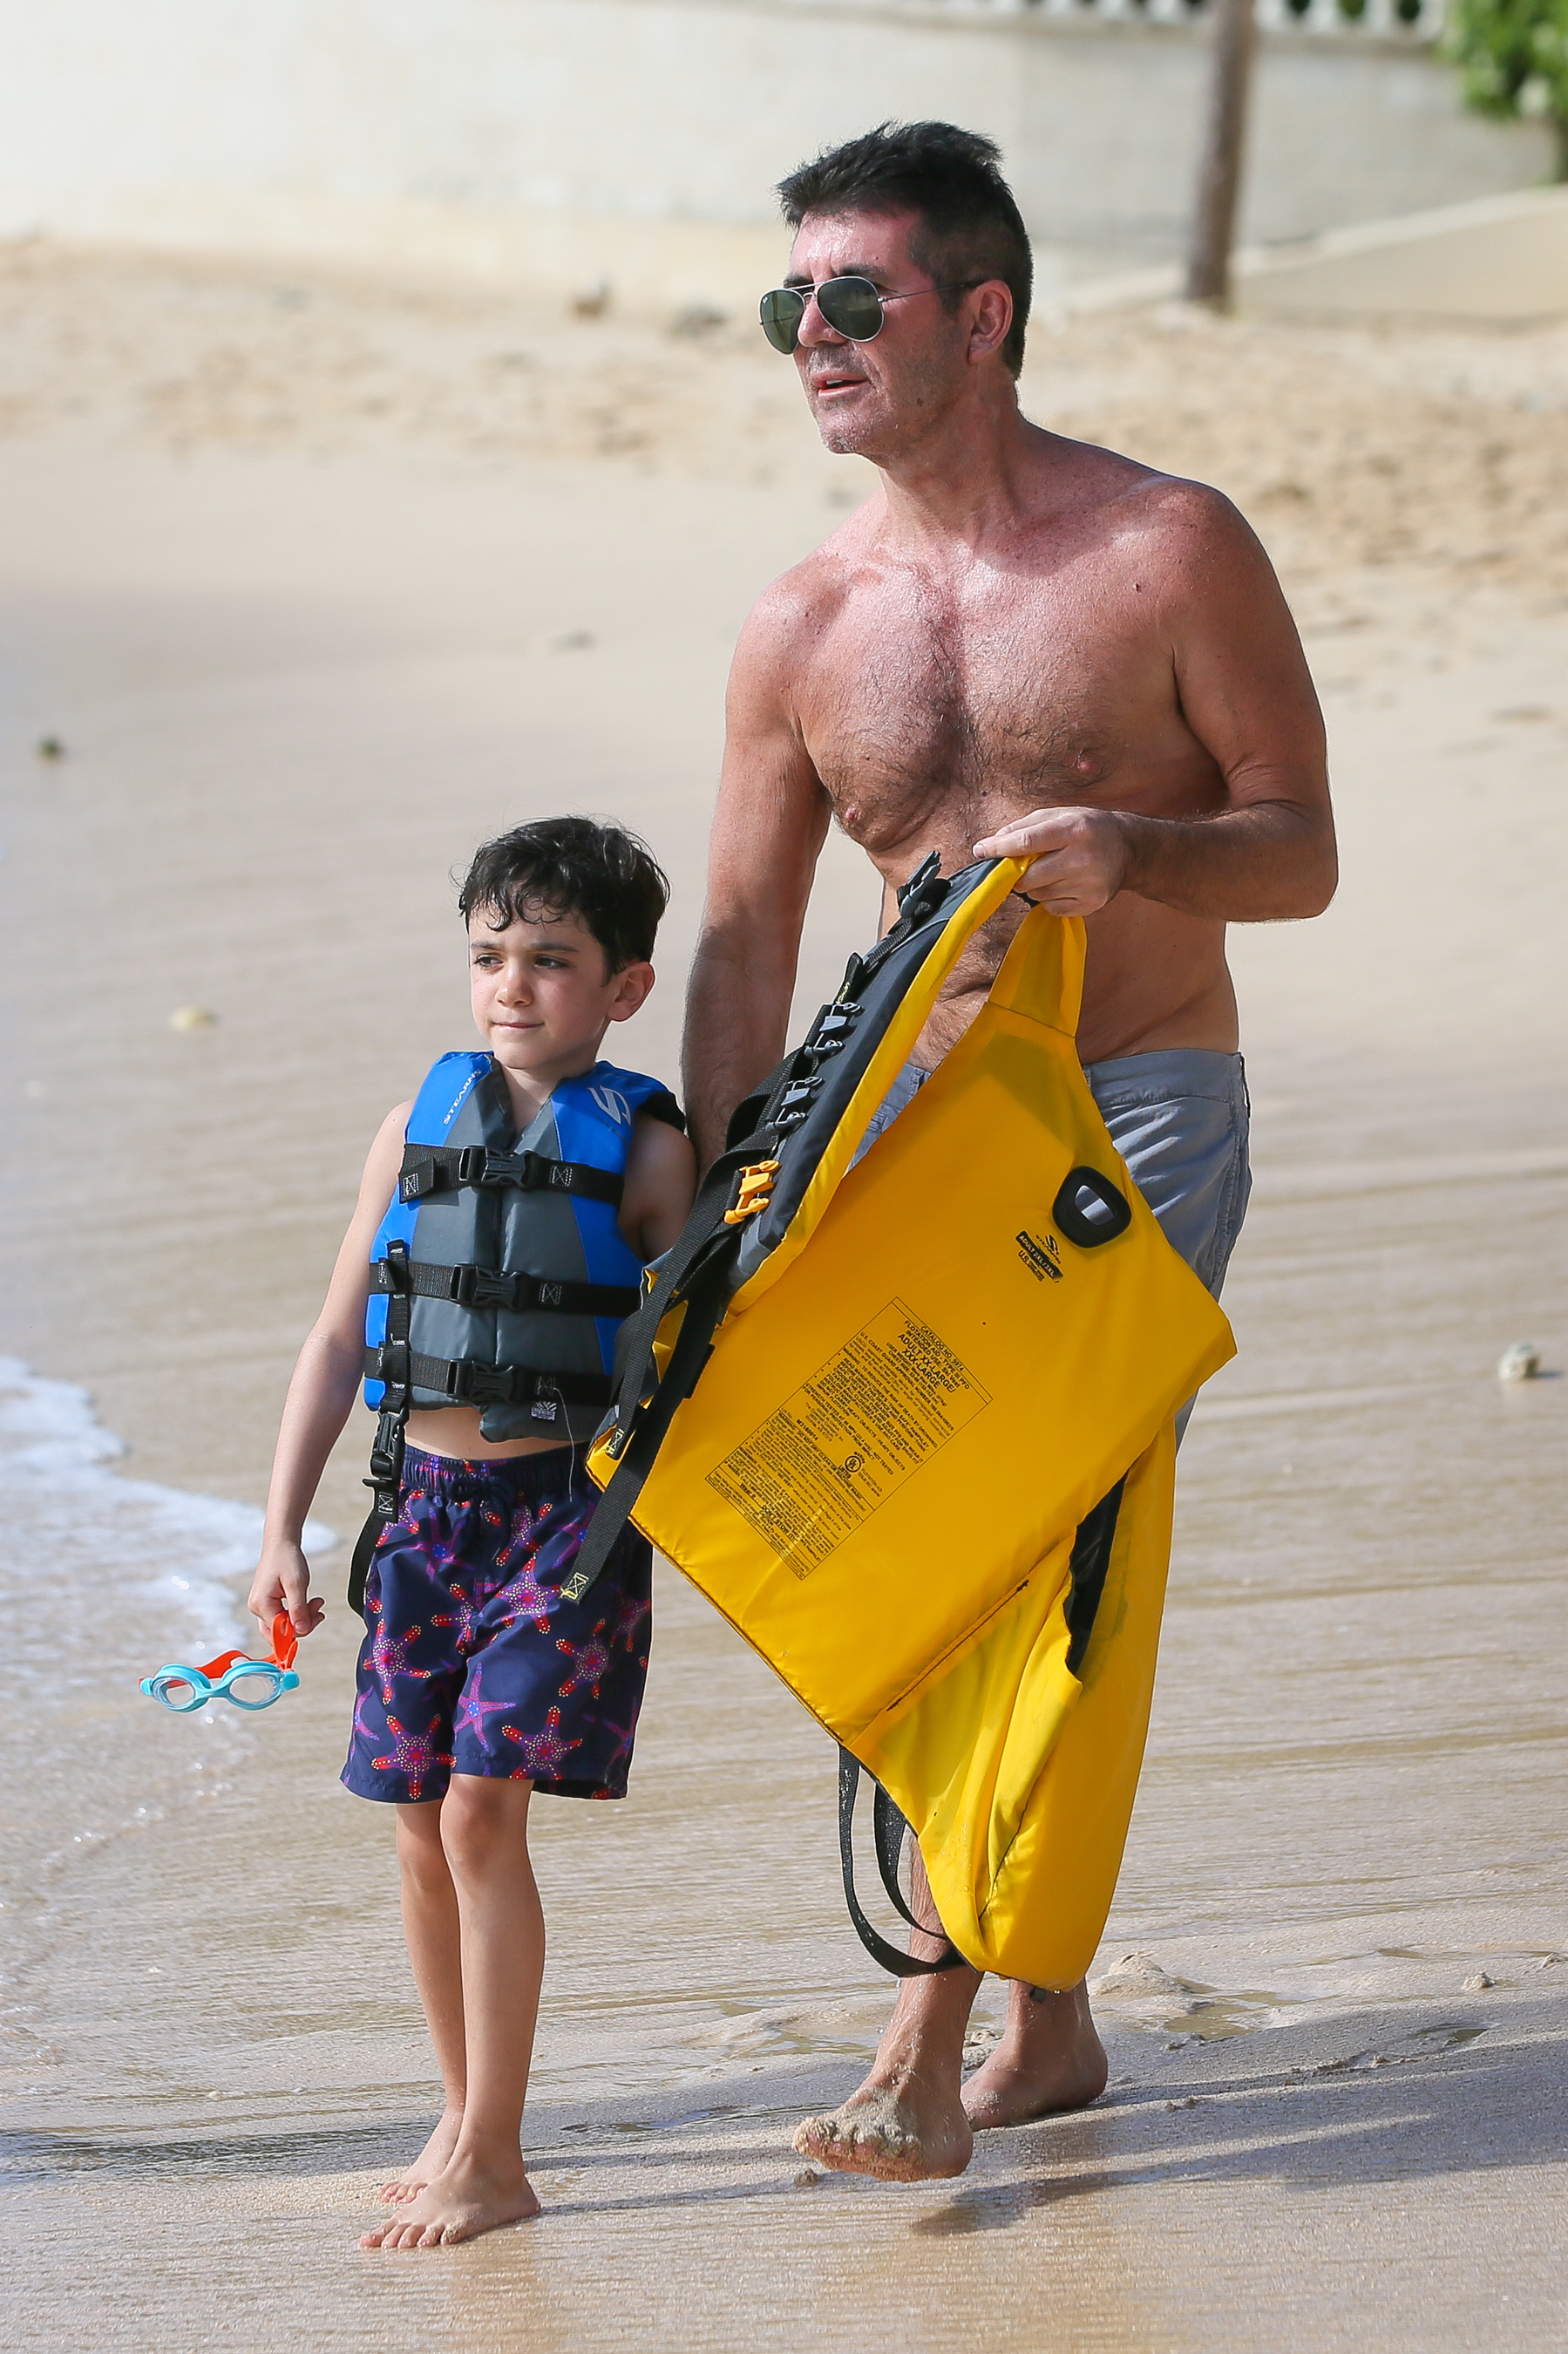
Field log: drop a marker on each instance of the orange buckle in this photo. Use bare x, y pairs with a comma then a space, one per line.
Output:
756, 1190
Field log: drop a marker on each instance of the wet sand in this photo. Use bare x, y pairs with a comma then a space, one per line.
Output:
300, 658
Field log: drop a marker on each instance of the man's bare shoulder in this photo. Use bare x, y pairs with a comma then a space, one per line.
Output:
794, 610
1151, 511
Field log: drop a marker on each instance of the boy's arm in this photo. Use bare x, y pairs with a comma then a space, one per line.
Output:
661, 1186
321, 1394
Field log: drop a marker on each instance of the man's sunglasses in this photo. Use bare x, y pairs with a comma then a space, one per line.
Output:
852, 308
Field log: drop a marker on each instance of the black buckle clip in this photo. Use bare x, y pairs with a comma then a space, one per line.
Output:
471, 1384
386, 1464
473, 1162
460, 1285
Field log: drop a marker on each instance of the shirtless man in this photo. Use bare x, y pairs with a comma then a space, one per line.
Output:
1022, 646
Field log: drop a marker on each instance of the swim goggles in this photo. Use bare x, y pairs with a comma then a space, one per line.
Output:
232, 1676
852, 308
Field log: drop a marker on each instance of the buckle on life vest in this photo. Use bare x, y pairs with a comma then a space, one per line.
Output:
795, 1102
756, 1191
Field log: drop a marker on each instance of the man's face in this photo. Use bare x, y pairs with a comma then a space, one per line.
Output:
871, 398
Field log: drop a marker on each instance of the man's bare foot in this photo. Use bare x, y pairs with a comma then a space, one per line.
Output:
461, 2203
1050, 2059
901, 2130
432, 2160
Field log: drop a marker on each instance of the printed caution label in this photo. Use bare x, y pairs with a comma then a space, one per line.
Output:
880, 1407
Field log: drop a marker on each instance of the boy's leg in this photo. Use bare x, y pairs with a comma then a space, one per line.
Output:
430, 1929
484, 1837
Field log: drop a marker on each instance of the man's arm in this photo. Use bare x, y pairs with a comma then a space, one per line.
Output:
769, 825
1247, 695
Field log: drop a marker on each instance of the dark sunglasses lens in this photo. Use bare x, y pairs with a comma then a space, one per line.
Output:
852, 307
781, 314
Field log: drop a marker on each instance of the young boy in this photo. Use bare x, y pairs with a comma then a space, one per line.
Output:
502, 1224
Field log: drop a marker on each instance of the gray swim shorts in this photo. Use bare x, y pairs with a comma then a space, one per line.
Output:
1179, 1120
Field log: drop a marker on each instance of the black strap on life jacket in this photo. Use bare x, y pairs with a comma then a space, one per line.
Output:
889, 1830
463, 1383
386, 1447
695, 1272
437, 1168
484, 1287
402, 1370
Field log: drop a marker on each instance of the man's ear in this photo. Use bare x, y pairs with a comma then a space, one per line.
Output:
990, 318
632, 984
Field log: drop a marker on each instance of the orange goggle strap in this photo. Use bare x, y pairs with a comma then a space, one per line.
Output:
285, 1644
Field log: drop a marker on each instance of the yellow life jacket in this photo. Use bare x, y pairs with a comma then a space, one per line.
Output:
926, 1468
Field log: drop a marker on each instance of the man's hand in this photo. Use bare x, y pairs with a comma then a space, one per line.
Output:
1081, 857
283, 1582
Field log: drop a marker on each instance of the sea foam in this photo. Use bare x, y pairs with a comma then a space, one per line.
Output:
83, 1544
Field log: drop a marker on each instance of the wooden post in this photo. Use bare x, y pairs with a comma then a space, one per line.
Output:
1224, 136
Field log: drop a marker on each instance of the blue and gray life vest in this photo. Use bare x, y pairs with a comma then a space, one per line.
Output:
499, 1276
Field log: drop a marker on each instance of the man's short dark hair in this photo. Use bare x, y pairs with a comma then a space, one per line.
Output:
572, 866
971, 227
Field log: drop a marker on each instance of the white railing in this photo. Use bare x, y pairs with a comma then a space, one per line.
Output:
1416, 21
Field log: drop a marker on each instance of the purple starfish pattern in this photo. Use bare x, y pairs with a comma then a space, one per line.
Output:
629, 1618
589, 1659
521, 1535
622, 1750
465, 1618
390, 1658
474, 1661
522, 1596
541, 1751
473, 1708
414, 1754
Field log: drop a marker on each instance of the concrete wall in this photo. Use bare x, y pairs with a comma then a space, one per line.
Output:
638, 139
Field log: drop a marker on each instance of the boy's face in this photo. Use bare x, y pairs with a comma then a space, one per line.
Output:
543, 992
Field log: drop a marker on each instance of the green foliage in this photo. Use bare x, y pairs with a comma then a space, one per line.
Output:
1512, 57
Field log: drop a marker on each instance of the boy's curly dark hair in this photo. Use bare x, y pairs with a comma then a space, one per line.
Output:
572, 866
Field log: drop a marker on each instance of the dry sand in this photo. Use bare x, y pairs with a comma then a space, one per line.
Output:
315, 581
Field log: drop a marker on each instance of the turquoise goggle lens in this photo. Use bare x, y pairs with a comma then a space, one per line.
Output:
178, 1691
257, 1686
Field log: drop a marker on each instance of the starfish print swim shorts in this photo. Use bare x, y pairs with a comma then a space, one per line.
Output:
473, 1663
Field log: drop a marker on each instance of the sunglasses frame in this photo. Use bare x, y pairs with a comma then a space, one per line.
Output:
807, 295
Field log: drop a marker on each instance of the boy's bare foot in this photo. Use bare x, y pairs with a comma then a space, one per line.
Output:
468, 2198
899, 2127
1050, 2059
432, 2160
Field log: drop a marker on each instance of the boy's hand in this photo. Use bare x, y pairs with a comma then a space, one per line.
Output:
283, 1582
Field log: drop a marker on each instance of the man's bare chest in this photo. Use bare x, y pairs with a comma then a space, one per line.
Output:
908, 705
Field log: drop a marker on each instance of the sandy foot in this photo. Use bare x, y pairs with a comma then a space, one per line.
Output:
432, 2159
901, 2131
1050, 2059
459, 2204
